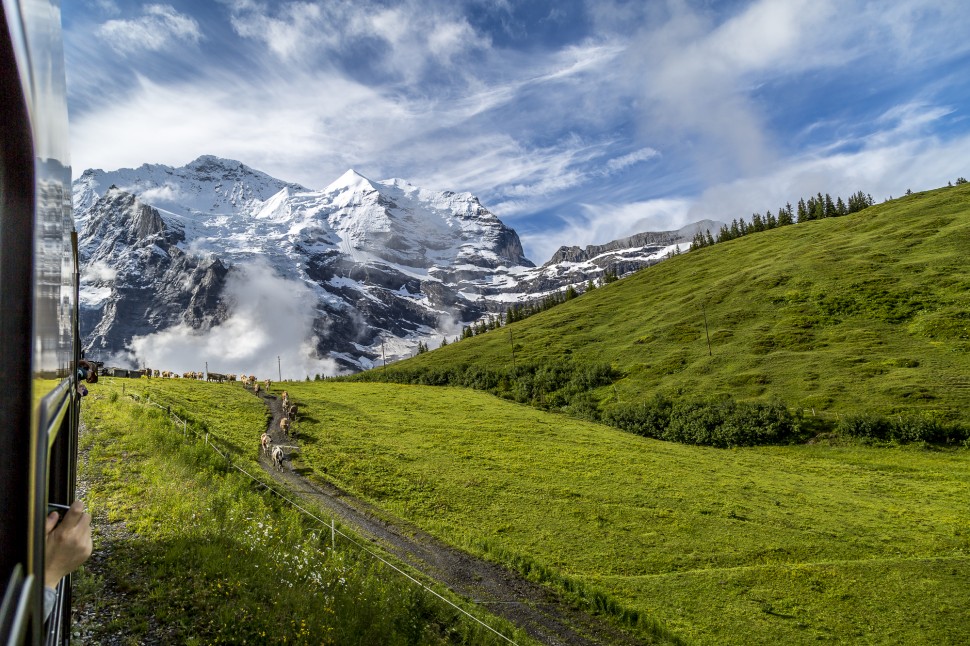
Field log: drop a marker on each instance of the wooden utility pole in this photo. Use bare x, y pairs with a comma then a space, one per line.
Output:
384, 356
279, 367
707, 331
512, 343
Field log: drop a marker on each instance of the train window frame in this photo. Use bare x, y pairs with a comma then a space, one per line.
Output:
39, 348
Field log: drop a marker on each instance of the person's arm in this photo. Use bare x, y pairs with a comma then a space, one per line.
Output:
69, 543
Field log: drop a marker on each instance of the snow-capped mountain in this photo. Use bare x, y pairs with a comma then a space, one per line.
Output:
373, 266
207, 185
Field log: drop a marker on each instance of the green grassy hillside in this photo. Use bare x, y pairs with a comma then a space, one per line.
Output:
785, 544
865, 313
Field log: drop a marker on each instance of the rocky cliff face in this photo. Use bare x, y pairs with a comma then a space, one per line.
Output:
376, 266
138, 277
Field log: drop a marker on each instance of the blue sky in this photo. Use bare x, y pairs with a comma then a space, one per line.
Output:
576, 122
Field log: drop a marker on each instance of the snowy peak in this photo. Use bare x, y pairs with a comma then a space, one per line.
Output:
208, 184
352, 182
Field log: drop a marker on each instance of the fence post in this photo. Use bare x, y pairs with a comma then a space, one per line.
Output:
333, 534
207, 439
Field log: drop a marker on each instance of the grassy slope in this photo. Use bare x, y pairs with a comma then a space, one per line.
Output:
869, 312
207, 557
763, 545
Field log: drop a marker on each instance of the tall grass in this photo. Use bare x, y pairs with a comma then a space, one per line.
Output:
204, 555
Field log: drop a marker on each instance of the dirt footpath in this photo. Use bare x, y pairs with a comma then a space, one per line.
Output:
534, 608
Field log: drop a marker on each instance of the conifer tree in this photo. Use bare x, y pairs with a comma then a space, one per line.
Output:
710, 238
840, 208
819, 211
829, 208
757, 224
785, 216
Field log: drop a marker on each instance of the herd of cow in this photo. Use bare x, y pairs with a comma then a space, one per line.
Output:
166, 374
275, 451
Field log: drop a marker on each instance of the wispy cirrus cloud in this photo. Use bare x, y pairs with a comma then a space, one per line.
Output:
160, 27
400, 41
583, 120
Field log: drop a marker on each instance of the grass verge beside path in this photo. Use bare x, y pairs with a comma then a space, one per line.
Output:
761, 545
210, 558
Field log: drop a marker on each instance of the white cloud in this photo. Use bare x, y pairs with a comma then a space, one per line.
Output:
297, 27
882, 171
160, 27
619, 163
97, 272
602, 223
271, 317
293, 136
413, 34
889, 163
165, 193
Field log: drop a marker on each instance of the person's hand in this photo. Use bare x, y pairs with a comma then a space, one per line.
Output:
68, 544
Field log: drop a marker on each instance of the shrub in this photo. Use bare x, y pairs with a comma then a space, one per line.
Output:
903, 429
648, 418
720, 422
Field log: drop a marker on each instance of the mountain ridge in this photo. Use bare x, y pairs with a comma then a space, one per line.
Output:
383, 263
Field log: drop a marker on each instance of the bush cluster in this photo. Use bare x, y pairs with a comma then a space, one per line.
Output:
903, 429
561, 385
568, 386
721, 422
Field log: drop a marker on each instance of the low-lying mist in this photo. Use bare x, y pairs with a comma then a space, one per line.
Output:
269, 332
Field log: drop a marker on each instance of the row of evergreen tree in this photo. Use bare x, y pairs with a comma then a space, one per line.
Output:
522, 311
816, 207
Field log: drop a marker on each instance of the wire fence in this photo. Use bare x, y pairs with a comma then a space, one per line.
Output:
332, 525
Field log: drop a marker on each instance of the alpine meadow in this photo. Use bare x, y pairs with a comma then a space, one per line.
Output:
762, 440
476, 323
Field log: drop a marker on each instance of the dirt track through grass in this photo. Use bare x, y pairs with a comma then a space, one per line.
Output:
536, 609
